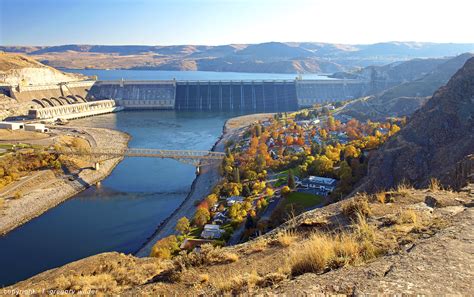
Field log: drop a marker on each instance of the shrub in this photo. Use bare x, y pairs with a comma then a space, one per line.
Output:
2, 203
357, 205
18, 195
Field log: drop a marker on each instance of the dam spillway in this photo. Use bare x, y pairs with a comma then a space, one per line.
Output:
197, 95
236, 95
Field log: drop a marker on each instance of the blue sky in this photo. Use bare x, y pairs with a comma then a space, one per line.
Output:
213, 22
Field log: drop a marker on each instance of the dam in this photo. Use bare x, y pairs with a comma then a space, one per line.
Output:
183, 95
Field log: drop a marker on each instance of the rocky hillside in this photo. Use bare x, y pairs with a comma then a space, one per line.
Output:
434, 141
16, 69
277, 57
405, 241
410, 84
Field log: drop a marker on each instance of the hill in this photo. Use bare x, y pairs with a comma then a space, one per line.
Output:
415, 80
283, 57
18, 69
393, 248
437, 137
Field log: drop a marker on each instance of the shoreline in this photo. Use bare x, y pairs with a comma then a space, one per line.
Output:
38, 201
201, 186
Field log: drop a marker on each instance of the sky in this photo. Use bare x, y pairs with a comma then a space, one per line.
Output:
216, 22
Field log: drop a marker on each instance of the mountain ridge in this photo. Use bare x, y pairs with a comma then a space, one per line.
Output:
270, 57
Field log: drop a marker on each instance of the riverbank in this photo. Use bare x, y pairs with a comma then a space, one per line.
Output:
47, 189
202, 184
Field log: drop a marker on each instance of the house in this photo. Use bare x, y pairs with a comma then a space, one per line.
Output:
274, 155
234, 199
212, 231
219, 218
323, 185
11, 125
191, 243
36, 128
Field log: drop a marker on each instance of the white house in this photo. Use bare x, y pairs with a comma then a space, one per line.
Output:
323, 184
11, 125
36, 128
212, 231
234, 199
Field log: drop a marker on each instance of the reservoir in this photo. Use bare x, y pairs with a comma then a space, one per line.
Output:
129, 204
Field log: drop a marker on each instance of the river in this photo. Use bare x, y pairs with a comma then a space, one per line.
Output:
126, 208
129, 204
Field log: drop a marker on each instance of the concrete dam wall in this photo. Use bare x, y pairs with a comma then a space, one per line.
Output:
243, 96
254, 96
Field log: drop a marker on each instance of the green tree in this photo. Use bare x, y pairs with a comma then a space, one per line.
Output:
182, 226
291, 180
236, 175
246, 191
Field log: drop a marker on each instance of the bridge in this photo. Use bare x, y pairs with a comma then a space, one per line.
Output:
193, 157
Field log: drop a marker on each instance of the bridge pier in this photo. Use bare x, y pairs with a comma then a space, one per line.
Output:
198, 170
96, 166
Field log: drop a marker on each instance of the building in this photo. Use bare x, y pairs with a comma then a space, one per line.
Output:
212, 231
219, 218
36, 128
234, 199
320, 185
11, 125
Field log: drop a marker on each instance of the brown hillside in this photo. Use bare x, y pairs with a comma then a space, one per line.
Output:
436, 139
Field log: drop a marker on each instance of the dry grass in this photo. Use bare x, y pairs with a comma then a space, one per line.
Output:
256, 247
208, 255
404, 188
357, 205
247, 281
100, 282
435, 185
204, 278
2, 203
383, 197
285, 239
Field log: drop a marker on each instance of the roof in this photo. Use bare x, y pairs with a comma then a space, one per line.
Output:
211, 227
321, 180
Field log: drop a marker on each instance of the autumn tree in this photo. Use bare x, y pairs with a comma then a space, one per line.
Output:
182, 226
165, 247
202, 216
322, 165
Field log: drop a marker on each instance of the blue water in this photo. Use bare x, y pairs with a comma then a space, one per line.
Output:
188, 75
127, 207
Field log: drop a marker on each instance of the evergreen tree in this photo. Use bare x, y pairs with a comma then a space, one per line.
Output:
291, 180
236, 175
246, 191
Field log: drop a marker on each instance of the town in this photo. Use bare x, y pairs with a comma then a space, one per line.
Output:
277, 169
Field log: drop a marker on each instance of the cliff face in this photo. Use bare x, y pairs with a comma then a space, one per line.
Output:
417, 81
436, 139
17, 69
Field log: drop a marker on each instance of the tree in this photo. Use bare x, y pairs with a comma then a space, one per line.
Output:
322, 166
351, 151
394, 129
211, 199
258, 130
246, 191
285, 190
236, 175
182, 226
165, 247
202, 216
291, 180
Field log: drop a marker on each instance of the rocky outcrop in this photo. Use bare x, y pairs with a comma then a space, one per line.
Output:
436, 138
17, 69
